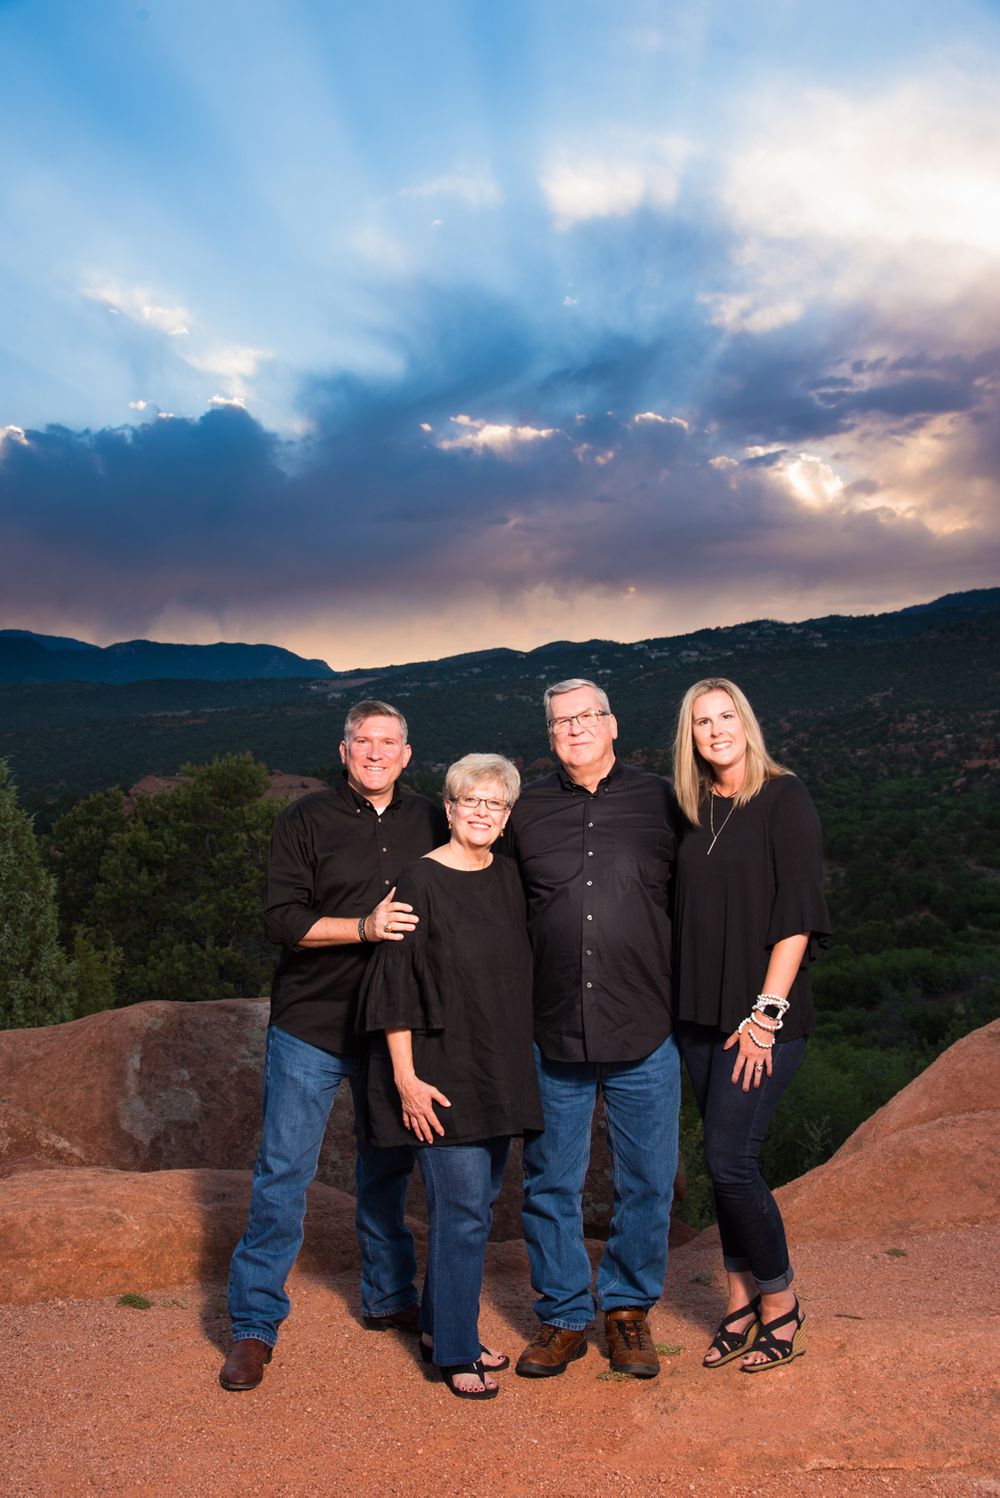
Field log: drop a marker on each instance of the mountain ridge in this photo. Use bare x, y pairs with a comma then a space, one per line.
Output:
29, 657
276, 661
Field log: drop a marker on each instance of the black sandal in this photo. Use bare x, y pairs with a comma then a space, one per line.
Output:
732, 1344
776, 1349
450, 1372
427, 1353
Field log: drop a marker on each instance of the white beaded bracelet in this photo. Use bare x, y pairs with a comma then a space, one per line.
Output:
781, 1004
763, 1045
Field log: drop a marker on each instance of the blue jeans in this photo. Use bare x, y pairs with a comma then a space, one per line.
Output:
641, 1106
750, 1225
462, 1182
299, 1085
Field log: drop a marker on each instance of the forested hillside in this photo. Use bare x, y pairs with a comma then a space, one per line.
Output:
891, 721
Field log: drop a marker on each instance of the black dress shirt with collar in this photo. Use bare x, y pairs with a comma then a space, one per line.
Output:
332, 854
596, 869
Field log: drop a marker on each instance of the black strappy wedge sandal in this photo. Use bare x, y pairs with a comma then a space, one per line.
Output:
733, 1344
775, 1349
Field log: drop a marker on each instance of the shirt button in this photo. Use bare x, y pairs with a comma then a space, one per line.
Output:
590, 918
385, 850
590, 985
589, 883
589, 952
590, 853
590, 824
385, 882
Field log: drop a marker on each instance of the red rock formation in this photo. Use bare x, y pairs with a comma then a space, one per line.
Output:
281, 787
163, 1086
126, 1138
87, 1232
927, 1160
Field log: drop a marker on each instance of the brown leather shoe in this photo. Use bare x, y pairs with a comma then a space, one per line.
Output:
630, 1346
406, 1320
550, 1351
244, 1367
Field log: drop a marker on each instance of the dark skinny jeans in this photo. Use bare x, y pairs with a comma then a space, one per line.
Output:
750, 1225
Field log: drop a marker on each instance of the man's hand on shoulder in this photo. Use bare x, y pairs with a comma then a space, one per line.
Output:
391, 919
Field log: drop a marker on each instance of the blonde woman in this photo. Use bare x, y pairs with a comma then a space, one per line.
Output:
749, 912
453, 1070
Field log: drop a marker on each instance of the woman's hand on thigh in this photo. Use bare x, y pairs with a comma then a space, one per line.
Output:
752, 1062
418, 1099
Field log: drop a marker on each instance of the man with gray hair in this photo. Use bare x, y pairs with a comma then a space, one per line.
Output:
595, 844
329, 898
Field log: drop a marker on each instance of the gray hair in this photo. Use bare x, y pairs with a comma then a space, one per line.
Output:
372, 708
472, 769
573, 684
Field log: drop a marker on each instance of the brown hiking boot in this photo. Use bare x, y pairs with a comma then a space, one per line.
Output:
550, 1350
244, 1367
630, 1346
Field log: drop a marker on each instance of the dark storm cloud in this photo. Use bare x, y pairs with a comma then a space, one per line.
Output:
122, 524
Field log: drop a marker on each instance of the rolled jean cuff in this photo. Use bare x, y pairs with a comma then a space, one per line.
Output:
256, 1334
766, 1287
772, 1287
566, 1326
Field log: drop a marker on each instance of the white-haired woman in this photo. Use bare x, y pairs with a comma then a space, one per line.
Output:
455, 1072
749, 913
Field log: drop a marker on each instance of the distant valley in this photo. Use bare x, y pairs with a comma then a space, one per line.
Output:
881, 694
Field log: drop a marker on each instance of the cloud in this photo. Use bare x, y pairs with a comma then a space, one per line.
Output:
581, 186
478, 190
498, 437
889, 197
913, 167
658, 420
140, 305
737, 313
498, 486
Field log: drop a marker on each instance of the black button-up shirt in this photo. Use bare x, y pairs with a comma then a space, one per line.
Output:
333, 855
596, 871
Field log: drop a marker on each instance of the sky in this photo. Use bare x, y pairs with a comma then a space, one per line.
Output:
384, 331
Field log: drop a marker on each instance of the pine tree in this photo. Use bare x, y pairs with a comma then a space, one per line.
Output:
179, 887
35, 978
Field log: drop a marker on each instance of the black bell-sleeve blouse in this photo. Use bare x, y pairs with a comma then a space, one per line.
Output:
762, 881
461, 982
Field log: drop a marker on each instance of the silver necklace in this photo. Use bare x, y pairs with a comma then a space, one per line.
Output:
711, 820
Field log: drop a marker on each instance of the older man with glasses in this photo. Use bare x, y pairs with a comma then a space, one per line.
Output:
595, 844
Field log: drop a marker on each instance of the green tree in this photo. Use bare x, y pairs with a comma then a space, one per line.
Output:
35, 977
79, 842
179, 886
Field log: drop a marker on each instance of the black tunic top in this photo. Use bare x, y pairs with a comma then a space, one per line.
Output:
762, 881
332, 854
461, 982
596, 869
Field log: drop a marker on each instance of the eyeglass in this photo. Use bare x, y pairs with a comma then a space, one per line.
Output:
585, 720
473, 803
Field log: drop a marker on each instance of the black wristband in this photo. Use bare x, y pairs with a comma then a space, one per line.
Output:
362, 936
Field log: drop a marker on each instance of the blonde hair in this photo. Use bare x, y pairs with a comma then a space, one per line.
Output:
693, 778
472, 769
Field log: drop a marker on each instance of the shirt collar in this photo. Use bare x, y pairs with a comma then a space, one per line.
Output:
361, 803
569, 784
